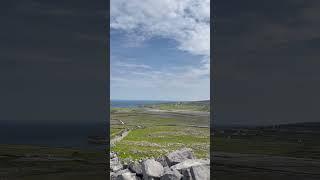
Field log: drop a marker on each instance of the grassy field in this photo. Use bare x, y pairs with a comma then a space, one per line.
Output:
154, 134
38, 163
116, 130
191, 106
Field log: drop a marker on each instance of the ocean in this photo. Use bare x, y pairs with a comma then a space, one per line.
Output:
133, 103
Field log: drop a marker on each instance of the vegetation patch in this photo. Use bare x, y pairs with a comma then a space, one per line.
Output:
156, 134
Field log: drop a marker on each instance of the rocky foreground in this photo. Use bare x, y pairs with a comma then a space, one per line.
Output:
180, 164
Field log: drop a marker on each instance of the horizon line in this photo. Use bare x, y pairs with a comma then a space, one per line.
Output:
154, 100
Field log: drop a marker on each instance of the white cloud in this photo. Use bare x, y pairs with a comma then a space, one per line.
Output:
130, 65
183, 83
186, 22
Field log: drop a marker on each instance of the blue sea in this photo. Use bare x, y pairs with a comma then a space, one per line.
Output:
133, 103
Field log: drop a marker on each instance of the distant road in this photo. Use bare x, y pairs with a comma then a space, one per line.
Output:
263, 167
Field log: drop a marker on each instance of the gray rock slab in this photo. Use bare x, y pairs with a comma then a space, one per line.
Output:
136, 168
115, 164
114, 175
171, 175
201, 172
127, 176
189, 163
179, 156
151, 169
163, 161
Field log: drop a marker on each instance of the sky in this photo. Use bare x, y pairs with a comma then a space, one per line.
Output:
160, 50
267, 61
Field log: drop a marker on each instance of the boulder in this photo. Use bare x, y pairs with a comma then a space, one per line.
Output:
179, 165
171, 175
179, 156
201, 172
162, 161
166, 168
189, 163
135, 167
126, 162
151, 169
115, 164
114, 175
127, 176
186, 173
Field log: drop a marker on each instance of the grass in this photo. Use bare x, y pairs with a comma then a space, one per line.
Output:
116, 130
160, 133
190, 106
159, 140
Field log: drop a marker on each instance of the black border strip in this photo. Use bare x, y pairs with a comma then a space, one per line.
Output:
212, 83
107, 98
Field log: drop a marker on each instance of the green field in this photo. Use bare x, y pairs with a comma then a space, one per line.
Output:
191, 106
154, 134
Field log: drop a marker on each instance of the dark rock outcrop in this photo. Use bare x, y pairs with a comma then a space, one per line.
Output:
136, 168
170, 174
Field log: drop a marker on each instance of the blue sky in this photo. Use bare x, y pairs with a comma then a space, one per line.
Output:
160, 49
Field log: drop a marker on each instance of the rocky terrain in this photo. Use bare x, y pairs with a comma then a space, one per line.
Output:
180, 164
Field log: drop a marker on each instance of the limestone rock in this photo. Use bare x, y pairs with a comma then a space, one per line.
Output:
127, 176
115, 164
186, 173
179, 156
189, 163
114, 175
201, 172
151, 169
162, 161
136, 168
171, 175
